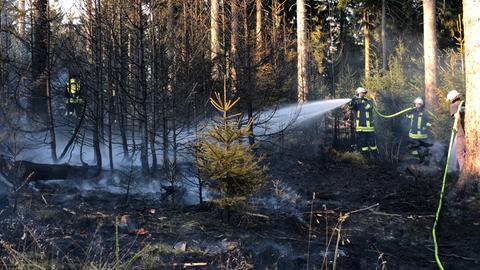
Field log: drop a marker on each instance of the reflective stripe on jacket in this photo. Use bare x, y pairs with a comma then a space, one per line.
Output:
363, 108
418, 124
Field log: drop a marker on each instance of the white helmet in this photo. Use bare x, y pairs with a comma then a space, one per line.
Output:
452, 95
361, 90
418, 100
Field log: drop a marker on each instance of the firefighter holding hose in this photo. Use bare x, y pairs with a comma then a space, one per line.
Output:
418, 133
362, 108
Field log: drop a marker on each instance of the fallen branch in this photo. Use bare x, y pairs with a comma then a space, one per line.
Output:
455, 256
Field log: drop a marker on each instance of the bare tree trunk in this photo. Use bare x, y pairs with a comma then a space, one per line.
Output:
471, 20
122, 79
234, 9
22, 18
302, 50
384, 37
144, 90
366, 36
98, 66
38, 100
430, 53
215, 39
258, 31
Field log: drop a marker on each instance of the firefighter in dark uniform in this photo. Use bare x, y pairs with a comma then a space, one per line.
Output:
72, 95
364, 123
457, 111
418, 133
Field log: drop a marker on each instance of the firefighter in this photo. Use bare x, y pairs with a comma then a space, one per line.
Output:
418, 133
73, 99
457, 111
364, 123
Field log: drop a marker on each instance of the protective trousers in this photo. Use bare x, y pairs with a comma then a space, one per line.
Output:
366, 142
461, 150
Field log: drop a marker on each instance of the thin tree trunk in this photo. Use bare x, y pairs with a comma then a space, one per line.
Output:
471, 20
38, 100
384, 37
98, 63
366, 35
258, 32
234, 37
143, 87
215, 39
51, 123
430, 53
302, 50
22, 18
123, 80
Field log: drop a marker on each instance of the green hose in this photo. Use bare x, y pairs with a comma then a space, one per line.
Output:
393, 115
442, 191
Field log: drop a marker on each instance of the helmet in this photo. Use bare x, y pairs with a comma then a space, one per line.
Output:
418, 100
361, 90
452, 95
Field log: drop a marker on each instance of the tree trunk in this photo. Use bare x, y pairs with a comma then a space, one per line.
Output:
302, 62
215, 39
366, 36
258, 32
384, 37
143, 89
21, 27
430, 53
471, 20
98, 66
234, 9
38, 99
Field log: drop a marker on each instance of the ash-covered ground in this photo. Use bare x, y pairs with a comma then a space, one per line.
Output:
363, 216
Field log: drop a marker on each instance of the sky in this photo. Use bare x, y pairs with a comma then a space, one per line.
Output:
68, 5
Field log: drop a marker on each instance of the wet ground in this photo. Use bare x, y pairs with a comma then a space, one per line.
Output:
362, 217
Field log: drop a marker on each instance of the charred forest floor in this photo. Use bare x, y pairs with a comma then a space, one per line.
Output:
390, 213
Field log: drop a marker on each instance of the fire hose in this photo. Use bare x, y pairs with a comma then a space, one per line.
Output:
393, 115
442, 191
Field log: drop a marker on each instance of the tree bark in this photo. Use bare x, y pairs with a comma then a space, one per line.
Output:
384, 36
258, 32
38, 100
143, 88
430, 53
471, 20
302, 50
215, 39
234, 37
366, 36
21, 170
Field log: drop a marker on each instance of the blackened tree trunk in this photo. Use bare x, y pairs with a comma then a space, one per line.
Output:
38, 99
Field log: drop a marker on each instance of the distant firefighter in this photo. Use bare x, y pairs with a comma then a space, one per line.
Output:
364, 123
73, 98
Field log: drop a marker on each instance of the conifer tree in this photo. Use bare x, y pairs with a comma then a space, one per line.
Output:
224, 157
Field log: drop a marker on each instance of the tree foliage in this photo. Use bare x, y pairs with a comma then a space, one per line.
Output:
231, 166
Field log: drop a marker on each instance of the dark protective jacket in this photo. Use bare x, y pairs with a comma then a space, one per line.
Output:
363, 111
418, 124
454, 108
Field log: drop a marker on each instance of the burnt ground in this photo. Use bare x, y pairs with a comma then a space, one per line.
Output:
391, 213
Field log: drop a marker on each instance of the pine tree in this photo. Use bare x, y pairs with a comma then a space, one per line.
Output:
227, 160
